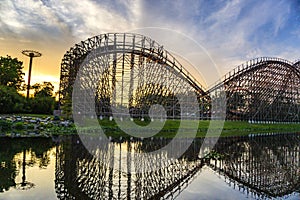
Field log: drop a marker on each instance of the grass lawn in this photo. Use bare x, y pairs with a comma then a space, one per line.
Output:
30, 115
170, 128
245, 128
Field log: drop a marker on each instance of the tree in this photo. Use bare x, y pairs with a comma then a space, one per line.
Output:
43, 101
42, 105
43, 90
10, 100
11, 72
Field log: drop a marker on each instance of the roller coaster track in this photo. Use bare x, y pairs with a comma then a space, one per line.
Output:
254, 89
112, 43
262, 90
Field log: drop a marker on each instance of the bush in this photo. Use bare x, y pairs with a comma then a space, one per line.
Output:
5, 125
30, 126
19, 126
49, 125
10, 100
42, 105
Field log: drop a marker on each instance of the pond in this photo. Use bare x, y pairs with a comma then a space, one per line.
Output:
248, 167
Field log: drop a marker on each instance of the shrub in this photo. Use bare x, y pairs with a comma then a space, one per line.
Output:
19, 126
49, 125
10, 100
5, 125
30, 126
42, 105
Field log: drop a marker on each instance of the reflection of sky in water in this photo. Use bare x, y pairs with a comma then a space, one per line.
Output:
209, 185
43, 178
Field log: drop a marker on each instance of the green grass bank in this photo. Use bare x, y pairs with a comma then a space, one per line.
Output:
170, 128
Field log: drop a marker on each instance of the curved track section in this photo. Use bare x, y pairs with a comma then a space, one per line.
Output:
137, 72
263, 90
140, 73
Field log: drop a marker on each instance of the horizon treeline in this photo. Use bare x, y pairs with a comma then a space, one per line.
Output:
12, 85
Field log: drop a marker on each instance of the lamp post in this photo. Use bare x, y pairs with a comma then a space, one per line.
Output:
31, 54
24, 185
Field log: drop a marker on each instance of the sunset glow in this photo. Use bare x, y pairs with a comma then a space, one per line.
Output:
231, 31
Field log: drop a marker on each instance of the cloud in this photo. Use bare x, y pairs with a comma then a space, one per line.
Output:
84, 18
54, 19
241, 30
28, 20
239, 25
231, 31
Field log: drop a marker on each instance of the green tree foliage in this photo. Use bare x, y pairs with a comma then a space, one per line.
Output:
11, 101
43, 90
11, 80
5, 125
43, 102
11, 72
42, 105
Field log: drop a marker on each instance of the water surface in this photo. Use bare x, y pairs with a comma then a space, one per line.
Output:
260, 167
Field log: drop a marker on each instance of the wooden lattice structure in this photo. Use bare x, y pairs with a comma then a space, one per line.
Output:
263, 90
136, 72
139, 72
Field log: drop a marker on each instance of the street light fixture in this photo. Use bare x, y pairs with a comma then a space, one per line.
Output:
31, 54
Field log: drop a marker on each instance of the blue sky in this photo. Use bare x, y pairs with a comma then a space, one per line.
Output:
232, 32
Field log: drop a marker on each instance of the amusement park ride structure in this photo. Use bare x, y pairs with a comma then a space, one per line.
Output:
139, 72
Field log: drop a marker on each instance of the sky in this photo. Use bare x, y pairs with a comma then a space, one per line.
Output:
230, 31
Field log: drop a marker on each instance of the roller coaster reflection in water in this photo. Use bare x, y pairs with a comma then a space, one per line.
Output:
260, 167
